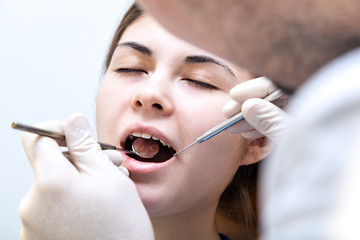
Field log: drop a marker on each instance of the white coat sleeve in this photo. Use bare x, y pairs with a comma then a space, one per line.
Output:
310, 185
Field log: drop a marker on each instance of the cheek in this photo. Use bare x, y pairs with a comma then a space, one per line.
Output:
110, 101
102, 104
223, 152
202, 112
215, 164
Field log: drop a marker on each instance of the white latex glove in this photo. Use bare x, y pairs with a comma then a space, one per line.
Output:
87, 197
262, 117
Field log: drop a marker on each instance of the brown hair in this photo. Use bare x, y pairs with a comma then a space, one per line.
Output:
238, 201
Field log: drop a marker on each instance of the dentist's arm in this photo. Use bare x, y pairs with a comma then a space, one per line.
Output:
86, 197
262, 117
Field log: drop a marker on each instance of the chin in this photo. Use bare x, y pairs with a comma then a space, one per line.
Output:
156, 204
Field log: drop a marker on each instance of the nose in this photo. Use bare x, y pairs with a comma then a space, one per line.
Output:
153, 96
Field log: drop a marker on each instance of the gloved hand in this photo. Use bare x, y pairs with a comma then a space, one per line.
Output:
86, 197
263, 118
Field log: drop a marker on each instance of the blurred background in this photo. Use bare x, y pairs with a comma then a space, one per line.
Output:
51, 56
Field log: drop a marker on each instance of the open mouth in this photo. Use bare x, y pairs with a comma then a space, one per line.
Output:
149, 144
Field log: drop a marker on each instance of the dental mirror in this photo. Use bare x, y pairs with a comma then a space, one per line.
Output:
141, 147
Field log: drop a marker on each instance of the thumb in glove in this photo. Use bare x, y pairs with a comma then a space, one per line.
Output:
266, 118
86, 153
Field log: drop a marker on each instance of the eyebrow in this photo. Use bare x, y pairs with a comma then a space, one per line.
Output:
207, 59
189, 59
138, 47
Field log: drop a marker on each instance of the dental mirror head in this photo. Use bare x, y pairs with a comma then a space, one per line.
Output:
145, 148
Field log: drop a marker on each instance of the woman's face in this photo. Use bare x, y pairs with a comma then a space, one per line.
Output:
160, 86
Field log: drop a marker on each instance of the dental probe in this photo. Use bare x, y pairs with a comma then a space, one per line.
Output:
228, 123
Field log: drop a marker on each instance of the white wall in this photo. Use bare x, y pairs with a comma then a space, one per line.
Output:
51, 54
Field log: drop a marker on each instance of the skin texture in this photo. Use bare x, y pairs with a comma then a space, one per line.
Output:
286, 41
161, 98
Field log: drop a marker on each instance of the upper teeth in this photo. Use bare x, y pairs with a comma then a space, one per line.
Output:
148, 136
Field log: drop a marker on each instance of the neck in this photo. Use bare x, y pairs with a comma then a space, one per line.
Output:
193, 224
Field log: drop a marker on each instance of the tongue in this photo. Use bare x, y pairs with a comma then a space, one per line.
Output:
146, 147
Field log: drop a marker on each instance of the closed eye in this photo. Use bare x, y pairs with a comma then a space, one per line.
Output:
201, 84
130, 70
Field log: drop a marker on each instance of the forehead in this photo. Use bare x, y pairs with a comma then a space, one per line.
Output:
147, 31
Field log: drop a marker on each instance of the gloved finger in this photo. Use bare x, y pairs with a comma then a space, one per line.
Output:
240, 127
125, 171
114, 156
43, 153
246, 130
255, 88
85, 151
268, 119
243, 127
30, 139
117, 158
231, 108
252, 134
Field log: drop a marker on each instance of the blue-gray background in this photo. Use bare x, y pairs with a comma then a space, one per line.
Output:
51, 54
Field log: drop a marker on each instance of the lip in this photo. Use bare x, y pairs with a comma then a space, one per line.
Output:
135, 166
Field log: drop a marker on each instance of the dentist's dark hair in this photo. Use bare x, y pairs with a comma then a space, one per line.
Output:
238, 201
